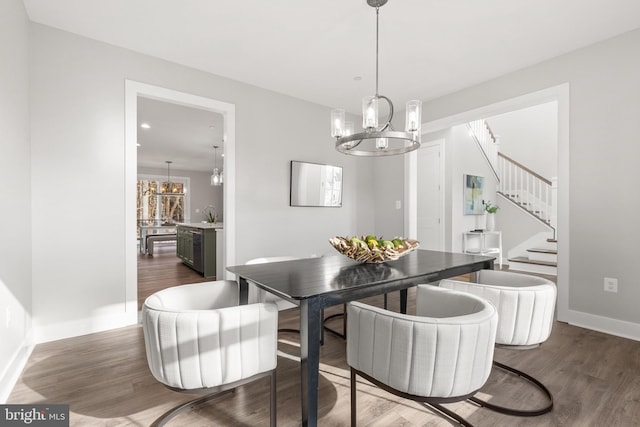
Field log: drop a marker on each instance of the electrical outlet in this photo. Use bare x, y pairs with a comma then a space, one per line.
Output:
398, 204
610, 285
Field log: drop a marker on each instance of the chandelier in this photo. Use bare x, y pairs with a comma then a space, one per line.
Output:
216, 177
170, 188
377, 139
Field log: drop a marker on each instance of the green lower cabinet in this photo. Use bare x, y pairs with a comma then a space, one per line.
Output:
196, 247
184, 246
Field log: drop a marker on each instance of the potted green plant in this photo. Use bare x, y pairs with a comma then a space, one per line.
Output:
491, 217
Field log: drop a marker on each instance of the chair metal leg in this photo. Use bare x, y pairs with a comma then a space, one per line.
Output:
212, 393
273, 407
171, 413
429, 402
518, 412
353, 398
447, 413
342, 335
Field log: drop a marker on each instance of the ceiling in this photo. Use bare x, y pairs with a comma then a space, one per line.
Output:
184, 135
324, 52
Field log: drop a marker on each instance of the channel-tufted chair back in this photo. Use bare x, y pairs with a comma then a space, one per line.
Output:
443, 353
197, 338
525, 304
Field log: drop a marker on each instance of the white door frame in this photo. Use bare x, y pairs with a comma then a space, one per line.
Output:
558, 93
133, 90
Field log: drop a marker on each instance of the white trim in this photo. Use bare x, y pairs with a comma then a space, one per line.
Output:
558, 93
411, 194
606, 325
15, 367
134, 89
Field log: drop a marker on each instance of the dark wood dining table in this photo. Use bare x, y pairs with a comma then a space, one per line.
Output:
317, 283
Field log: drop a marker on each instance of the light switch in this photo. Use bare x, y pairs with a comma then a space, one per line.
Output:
398, 204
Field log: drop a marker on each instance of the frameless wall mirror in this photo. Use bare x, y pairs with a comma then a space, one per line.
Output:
314, 184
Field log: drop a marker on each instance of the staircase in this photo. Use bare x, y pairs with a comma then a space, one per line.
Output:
530, 192
540, 260
536, 196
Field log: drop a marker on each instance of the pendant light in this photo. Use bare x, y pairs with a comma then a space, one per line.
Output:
377, 139
170, 189
216, 177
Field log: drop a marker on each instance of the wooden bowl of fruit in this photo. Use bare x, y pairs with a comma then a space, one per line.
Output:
373, 249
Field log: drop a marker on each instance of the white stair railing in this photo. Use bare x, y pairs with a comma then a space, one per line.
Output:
487, 141
527, 189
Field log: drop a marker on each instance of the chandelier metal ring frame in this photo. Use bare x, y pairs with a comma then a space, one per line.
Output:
347, 142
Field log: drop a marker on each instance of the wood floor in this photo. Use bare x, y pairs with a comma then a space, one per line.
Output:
594, 377
163, 269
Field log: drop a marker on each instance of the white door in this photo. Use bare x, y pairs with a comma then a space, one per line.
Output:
430, 192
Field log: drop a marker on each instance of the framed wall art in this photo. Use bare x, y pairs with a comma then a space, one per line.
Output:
473, 188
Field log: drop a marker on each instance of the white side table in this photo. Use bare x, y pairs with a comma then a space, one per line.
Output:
489, 243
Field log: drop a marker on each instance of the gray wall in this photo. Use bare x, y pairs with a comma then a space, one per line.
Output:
388, 178
15, 209
530, 136
78, 143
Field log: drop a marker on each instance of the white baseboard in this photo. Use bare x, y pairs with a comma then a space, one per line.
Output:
90, 325
607, 325
15, 367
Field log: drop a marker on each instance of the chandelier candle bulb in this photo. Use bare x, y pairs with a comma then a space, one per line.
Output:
337, 123
414, 116
370, 112
349, 130
382, 143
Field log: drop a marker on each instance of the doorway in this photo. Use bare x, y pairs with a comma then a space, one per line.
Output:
558, 93
134, 90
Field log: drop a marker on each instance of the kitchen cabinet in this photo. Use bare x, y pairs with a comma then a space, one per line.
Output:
196, 247
184, 245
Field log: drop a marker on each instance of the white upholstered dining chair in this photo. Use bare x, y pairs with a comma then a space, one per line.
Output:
442, 354
199, 340
526, 306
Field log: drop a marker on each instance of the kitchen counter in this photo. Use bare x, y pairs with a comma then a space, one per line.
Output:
201, 225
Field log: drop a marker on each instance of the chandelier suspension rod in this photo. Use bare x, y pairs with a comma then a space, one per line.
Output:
377, 37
